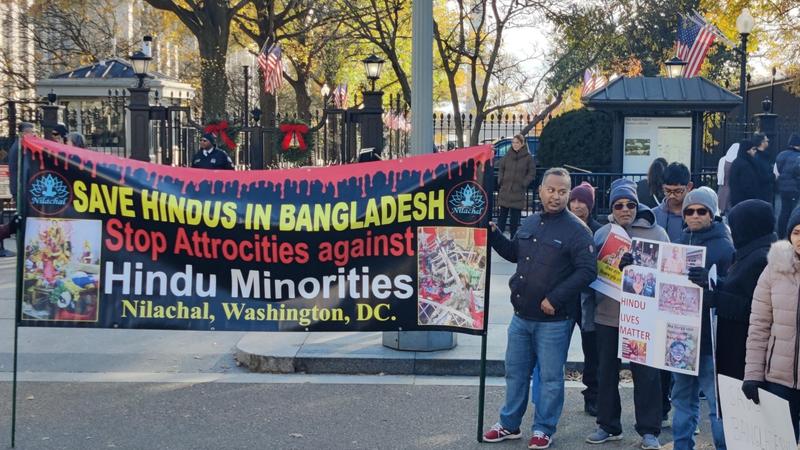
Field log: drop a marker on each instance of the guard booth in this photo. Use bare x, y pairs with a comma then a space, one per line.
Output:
659, 117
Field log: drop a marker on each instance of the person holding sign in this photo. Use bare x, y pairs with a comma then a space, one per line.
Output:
639, 222
705, 229
555, 260
773, 352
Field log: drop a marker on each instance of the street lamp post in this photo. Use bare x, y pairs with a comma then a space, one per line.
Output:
371, 115
744, 25
675, 67
373, 66
139, 108
51, 113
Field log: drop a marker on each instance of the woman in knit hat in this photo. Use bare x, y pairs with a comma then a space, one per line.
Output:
773, 353
581, 203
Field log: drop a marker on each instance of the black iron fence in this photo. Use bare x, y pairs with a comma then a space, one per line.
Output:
602, 184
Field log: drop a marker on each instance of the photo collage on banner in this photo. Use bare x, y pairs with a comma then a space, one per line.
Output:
382, 246
608, 274
660, 309
452, 274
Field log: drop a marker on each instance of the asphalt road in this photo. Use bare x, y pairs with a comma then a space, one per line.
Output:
273, 416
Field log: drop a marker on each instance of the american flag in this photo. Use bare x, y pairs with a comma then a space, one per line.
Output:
592, 81
693, 43
340, 96
269, 61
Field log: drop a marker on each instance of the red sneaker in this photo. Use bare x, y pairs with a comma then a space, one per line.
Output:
497, 433
539, 440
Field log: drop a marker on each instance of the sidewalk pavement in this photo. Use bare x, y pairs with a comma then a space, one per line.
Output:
282, 352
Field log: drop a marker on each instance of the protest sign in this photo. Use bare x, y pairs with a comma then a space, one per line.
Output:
660, 309
608, 257
766, 426
5, 182
388, 245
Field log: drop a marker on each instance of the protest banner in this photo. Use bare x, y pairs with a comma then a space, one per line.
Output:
660, 309
609, 276
766, 426
388, 245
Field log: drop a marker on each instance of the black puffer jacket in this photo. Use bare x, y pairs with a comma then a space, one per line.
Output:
751, 177
788, 164
555, 259
751, 224
719, 251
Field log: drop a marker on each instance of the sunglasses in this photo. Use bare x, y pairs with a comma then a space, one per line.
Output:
621, 206
693, 211
55, 133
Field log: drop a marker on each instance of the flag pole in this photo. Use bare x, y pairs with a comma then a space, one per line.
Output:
488, 182
22, 212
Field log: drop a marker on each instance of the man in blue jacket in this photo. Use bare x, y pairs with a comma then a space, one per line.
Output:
211, 157
787, 165
703, 229
555, 257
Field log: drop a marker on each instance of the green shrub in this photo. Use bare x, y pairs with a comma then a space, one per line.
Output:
579, 138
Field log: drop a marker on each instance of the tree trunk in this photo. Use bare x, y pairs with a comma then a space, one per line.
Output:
213, 80
475, 135
302, 97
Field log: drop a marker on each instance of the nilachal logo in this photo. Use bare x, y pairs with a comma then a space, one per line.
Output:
467, 202
49, 193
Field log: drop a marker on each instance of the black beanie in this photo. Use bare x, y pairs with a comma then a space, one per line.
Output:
210, 137
794, 220
750, 220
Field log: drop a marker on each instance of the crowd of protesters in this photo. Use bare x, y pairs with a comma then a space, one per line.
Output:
754, 295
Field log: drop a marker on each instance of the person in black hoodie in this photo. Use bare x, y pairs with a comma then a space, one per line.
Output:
751, 176
705, 229
751, 222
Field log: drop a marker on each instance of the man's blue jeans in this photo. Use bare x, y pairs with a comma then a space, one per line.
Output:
546, 344
686, 406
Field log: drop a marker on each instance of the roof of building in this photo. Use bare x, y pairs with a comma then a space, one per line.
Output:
662, 94
109, 68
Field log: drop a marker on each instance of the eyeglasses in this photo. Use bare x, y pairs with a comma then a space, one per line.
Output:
620, 206
693, 211
674, 192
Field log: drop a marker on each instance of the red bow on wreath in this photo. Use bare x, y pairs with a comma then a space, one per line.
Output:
221, 129
293, 136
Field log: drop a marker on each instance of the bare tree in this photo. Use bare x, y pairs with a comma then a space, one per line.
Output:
473, 40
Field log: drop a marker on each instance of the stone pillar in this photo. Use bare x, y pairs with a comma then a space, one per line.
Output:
371, 120
139, 108
767, 124
52, 115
